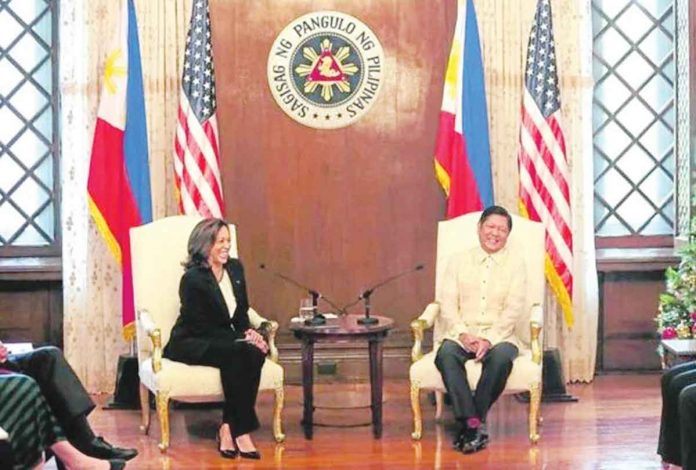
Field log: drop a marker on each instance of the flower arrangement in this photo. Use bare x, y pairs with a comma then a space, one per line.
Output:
676, 316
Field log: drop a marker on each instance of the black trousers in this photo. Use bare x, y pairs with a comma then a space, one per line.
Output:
65, 394
687, 422
677, 441
240, 367
497, 365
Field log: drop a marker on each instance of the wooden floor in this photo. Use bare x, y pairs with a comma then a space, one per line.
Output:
613, 426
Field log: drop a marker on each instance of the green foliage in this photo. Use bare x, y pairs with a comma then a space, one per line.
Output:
677, 307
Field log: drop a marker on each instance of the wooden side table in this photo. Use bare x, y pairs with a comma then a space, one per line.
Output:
342, 329
677, 351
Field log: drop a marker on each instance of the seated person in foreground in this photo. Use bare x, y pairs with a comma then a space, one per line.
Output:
33, 429
213, 329
677, 443
66, 397
483, 295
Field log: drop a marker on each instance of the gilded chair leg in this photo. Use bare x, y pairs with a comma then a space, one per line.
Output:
144, 409
277, 415
439, 400
415, 407
534, 406
163, 415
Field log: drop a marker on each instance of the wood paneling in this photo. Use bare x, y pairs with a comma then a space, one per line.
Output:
334, 209
630, 283
31, 311
31, 300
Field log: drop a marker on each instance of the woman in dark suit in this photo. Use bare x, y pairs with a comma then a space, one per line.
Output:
213, 329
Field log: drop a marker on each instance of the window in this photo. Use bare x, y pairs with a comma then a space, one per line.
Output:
636, 123
29, 143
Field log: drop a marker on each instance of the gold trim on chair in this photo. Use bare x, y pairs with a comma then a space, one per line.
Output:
162, 400
534, 406
417, 417
418, 326
144, 409
277, 414
535, 330
273, 350
156, 337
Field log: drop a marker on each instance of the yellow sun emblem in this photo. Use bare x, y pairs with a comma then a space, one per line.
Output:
326, 70
113, 69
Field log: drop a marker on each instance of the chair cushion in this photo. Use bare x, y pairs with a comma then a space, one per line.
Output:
199, 383
525, 373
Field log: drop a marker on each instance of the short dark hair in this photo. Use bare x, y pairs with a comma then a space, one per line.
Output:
201, 241
497, 210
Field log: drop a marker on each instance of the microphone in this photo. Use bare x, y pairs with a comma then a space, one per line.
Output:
365, 295
317, 318
368, 292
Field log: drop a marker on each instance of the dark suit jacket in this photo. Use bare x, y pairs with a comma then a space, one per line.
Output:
204, 317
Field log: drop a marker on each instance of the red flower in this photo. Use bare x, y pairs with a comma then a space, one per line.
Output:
693, 316
669, 332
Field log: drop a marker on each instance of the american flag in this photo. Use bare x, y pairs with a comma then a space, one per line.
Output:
196, 144
544, 174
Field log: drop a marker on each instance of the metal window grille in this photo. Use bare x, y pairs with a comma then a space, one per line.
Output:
29, 144
634, 116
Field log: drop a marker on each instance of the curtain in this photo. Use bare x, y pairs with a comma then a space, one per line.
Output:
505, 27
92, 297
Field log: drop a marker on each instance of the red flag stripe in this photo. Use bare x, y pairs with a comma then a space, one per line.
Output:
563, 244
197, 151
546, 145
193, 150
184, 182
202, 188
545, 197
196, 130
544, 152
539, 176
196, 184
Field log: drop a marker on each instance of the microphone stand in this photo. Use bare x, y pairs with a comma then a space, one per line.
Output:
367, 293
367, 319
317, 318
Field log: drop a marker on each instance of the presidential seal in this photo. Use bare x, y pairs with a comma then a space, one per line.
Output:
325, 69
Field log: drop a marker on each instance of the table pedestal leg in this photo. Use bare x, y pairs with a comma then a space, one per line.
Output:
307, 386
376, 385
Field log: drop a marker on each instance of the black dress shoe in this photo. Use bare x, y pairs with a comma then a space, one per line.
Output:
100, 449
479, 442
117, 464
466, 434
484, 429
114, 464
458, 442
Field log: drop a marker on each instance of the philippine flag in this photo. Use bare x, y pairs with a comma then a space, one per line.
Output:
119, 175
462, 155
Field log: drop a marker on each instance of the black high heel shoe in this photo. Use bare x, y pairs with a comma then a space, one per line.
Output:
225, 453
253, 455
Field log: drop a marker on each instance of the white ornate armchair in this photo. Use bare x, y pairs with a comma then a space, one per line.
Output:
457, 235
158, 250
